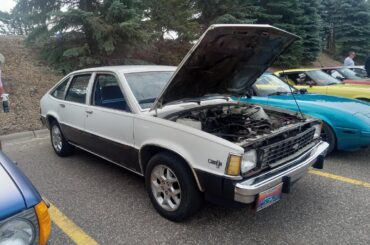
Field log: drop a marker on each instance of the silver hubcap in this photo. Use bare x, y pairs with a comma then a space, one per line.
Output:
165, 187
56, 137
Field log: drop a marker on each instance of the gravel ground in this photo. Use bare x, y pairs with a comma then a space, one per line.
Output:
26, 82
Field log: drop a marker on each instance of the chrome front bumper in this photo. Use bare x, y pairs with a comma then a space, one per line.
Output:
247, 190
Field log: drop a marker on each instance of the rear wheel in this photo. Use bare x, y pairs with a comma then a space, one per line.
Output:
171, 187
60, 145
328, 135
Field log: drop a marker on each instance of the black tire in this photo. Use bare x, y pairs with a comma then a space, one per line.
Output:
328, 135
191, 198
364, 99
66, 149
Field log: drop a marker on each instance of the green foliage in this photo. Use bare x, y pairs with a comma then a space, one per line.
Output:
346, 27
310, 28
80, 33
87, 32
174, 19
287, 15
226, 12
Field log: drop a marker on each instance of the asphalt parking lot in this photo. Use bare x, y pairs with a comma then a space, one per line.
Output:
97, 202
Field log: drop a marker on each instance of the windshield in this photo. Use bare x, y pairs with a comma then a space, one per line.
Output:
146, 86
269, 84
322, 78
348, 74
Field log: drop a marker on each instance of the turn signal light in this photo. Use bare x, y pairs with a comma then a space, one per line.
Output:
44, 222
233, 166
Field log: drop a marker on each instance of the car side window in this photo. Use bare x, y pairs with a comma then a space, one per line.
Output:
336, 74
290, 78
301, 79
59, 91
108, 94
78, 89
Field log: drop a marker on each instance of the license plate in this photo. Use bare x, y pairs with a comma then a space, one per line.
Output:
269, 197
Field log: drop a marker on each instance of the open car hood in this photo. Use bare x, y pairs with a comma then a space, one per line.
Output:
226, 60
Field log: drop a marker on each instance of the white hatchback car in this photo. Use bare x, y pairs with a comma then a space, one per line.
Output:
179, 129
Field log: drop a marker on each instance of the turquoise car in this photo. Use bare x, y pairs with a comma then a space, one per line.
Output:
346, 122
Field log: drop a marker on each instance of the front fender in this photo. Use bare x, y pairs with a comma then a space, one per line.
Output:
192, 145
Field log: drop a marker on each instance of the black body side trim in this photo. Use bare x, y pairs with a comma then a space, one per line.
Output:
217, 189
121, 154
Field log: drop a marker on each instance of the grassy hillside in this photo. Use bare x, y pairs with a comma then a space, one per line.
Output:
26, 81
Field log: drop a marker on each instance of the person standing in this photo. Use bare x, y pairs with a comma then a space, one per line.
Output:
349, 60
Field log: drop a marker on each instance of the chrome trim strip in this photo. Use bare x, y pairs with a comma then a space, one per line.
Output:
140, 174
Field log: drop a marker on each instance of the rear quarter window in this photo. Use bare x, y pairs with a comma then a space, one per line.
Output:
59, 91
78, 88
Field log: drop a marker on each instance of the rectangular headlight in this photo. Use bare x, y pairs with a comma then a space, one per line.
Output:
249, 161
318, 128
233, 165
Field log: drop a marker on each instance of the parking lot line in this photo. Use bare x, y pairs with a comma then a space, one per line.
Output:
340, 178
74, 232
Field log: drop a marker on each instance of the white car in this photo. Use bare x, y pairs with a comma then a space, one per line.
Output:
179, 129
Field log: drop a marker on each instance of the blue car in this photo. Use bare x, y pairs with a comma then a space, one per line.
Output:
24, 216
346, 122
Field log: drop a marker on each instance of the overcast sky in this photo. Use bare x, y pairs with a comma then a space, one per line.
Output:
6, 5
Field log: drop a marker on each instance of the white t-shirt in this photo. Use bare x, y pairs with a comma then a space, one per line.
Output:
349, 62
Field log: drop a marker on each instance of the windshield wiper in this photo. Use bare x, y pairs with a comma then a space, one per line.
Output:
145, 101
200, 99
278, 93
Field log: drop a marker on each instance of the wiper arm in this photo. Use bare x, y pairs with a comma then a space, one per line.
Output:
278, 93
149, 100
198, 100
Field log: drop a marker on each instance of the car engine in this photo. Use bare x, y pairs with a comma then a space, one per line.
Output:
234, 123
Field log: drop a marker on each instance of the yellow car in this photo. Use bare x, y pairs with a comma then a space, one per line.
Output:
319, 82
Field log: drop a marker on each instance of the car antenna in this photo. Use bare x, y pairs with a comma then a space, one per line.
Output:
290, 87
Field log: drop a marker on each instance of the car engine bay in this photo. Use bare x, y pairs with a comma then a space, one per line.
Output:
236, 122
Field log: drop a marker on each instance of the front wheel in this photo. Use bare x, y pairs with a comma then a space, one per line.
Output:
171, 187
60, 144
328, 135
364, 99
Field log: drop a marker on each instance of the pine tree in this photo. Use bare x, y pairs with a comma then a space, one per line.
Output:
225, 12
85, 34
310, 27
346, 27
174, 19
353, 29
287, 15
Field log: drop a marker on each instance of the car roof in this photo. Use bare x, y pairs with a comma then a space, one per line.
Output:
128, 68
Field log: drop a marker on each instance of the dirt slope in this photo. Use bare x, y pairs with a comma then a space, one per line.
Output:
26, 82
325, 60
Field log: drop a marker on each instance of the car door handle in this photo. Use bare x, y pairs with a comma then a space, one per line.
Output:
62, 105
89, 112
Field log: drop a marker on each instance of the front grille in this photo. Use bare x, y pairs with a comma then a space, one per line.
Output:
276, 153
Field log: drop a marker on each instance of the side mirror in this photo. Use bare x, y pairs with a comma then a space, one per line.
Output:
340, 78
